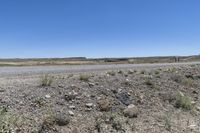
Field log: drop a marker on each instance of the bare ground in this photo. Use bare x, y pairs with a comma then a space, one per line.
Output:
106, 99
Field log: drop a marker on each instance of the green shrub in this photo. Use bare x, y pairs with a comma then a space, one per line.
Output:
183, 101
84, 77
111, 73
46, 80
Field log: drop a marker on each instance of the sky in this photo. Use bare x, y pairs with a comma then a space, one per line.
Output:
99, 28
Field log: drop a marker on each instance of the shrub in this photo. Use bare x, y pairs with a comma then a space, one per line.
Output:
46, 80
84, 77
111, 73
143, 72
157, 72
189, 82
183, 101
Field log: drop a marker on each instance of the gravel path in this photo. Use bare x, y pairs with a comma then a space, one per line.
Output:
80, 68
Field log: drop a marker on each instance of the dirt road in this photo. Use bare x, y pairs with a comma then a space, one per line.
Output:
80, 68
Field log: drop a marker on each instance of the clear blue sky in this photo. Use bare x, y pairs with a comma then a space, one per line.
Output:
99, 28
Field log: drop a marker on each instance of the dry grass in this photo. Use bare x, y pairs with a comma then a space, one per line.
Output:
46, 80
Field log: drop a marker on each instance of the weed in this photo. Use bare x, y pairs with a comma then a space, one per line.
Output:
111, 73
183, 101
143, 72
46, 80
157, 72
189, 82
84, 77
168, 123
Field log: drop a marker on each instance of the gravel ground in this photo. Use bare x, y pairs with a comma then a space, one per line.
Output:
80, 68
145, 98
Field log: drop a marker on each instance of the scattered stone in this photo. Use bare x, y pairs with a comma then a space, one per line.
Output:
104, 104
2, 90
70, 96
193, 102
124, 98
62, 119
89, 105
198, 108
192, 127
75, 130
131, 111
91, 84
72, 107
47, 96
88, 109
71, 113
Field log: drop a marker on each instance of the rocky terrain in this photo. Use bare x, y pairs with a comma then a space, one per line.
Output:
129, 100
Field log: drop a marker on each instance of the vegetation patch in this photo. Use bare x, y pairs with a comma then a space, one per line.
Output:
183, 101
46, 80
84, 77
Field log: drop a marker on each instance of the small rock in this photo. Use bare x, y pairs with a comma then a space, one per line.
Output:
198, 108
124, 98
70, 96
91, 84
131, 111
72, 107
192, 127
104, 104
193, 102
75, 130
1, 90
47, 96
62, 119
89, 105
88, 109
71, 113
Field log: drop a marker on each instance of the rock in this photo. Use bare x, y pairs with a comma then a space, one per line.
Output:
124, 98
104, 104
2, 90
75, 130
91, 84
198, 108
193, 102
62, 119
131, 111
192, 127
70, 96
71, 113
47, 96
88, 109
89, 105
72, 107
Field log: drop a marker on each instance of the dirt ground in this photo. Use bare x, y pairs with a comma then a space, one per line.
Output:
132, 100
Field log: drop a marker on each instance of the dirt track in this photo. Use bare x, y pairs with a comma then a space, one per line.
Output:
80, 68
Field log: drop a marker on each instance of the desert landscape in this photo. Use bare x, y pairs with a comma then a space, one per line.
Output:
123, 98
99, 66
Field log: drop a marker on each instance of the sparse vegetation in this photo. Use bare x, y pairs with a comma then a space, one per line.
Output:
84, 77
111, 73
142, 72
119, 103
157, 72
183, 101
168, 122
46, 80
